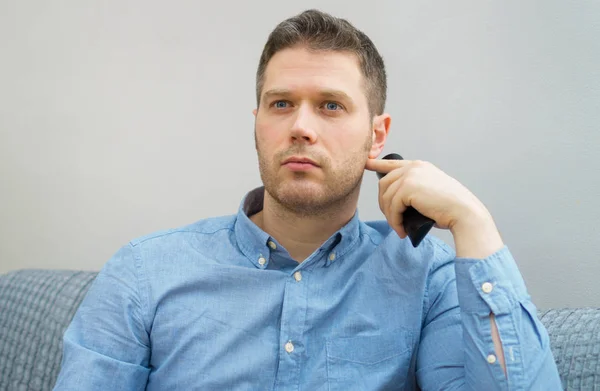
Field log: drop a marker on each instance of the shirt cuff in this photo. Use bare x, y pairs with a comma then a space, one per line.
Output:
490, 284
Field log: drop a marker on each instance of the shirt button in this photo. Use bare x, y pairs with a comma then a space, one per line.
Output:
272, 244
491, 359
262, 261
298, 276
332, 257
487, 287
289, 347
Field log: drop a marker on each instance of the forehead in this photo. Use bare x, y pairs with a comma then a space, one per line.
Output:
300, 69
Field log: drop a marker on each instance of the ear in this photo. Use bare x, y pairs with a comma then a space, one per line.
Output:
381, 128
254, 112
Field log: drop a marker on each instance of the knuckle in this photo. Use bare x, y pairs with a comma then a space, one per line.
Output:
410, 181
422, 163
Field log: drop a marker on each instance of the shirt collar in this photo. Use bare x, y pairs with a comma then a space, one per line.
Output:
258, 246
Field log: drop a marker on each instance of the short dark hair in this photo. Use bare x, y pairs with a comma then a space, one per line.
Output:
321, 31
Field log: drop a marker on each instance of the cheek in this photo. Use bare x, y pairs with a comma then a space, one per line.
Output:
261, 132
271, 135
348, 143
350, 152
268, 142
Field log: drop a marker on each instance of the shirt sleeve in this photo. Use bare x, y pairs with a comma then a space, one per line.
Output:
456, 349
106, 346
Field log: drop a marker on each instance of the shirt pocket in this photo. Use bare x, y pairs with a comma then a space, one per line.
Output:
374, 362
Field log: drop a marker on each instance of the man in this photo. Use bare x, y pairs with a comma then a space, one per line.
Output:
294, 292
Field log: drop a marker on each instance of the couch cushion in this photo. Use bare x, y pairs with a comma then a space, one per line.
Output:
575, 343
36, 306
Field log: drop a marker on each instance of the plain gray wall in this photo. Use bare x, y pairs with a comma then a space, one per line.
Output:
121, 118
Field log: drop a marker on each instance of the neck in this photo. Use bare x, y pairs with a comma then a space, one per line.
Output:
302, 234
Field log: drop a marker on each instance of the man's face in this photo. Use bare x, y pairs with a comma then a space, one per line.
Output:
313, 105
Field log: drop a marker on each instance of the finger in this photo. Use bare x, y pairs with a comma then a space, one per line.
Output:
388, 202
397, 209
393, 176
384, 166
388, 187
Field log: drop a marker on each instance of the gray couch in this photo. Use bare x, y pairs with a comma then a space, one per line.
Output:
37, 305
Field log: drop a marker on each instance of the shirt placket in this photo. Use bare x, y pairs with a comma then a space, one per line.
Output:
291, 334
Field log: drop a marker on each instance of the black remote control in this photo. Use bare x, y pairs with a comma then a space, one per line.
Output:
415, 224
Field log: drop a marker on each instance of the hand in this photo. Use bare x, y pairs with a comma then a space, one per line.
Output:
438, 196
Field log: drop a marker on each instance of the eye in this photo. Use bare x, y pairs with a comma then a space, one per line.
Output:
332, 106
280, 104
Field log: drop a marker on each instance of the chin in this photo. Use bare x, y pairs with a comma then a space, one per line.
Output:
305, 197
301, 190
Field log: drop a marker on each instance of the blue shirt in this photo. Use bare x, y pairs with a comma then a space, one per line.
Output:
220, 305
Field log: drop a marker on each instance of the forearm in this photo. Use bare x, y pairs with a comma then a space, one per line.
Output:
476, 235
478, 238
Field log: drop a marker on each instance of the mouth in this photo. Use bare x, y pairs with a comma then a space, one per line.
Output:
295, 163
302, 160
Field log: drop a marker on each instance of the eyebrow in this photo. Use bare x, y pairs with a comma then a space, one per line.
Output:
326, 93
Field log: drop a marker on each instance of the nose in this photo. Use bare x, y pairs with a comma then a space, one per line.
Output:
303, 128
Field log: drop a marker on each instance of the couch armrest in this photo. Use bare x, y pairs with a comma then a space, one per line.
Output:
36, 306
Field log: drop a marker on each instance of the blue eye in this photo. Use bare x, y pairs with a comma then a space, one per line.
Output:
332, 106
280, 104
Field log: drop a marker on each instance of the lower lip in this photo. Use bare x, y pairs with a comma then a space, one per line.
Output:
296, 166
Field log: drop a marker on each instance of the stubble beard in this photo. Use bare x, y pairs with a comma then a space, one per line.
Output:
301, 193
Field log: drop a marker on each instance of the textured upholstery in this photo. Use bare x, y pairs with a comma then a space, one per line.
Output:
35, 308
37, 305
575, 342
